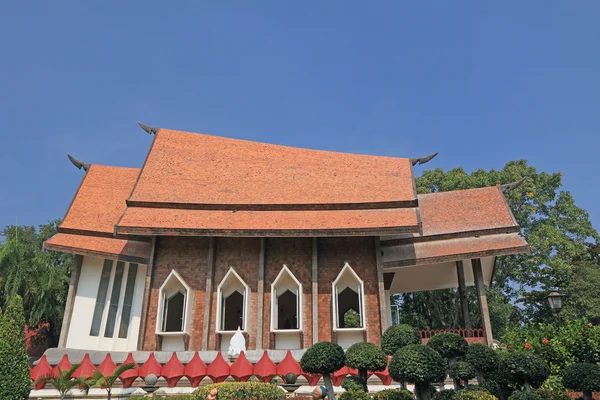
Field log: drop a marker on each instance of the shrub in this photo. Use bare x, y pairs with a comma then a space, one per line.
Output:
323, 358
483, 359
474, 395
398, 336
445, 395
491, 386
418, 364
525, 368
352, 383
15, 383
462, 371
355, 395
242, 391
584, 377
351, 319
549, 394
365, 357
394, 394
518, 395
449, 345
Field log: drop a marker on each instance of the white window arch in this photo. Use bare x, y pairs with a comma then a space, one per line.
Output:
348, 300
174, 306
233, 296
286, 302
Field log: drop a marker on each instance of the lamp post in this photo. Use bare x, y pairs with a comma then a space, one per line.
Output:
555, 300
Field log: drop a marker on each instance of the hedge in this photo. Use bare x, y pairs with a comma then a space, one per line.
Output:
351, 383
583, 377
445, 395
474, 395
355, 395
15, 382
241, 391
449, 345
394, 394
398, 336
518, 395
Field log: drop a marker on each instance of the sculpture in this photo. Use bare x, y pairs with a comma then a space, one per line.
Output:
237, 344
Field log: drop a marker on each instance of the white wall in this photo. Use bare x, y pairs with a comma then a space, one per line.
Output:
85, 301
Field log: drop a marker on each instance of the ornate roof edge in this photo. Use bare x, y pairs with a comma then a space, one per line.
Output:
511, 186
149, 129
422, 160
79, 164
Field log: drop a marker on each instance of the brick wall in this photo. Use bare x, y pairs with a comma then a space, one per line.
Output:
188, 256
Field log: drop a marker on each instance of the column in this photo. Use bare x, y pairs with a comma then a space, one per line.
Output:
462, 293
315, 292
482, 297
208, 291
146, 299
381, 288
75, 273
261, 295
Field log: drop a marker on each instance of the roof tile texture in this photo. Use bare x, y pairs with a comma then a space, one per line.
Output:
100, 200
190, 168
463, 211
83, 244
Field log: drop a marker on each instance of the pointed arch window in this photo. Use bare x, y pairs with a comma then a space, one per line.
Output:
174, 305
348, 300
286, 302
232, 303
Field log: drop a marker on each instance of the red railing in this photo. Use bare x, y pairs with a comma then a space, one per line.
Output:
471, 335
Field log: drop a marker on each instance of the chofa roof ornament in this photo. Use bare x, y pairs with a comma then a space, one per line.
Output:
422, 160
151, 130
511, 186
78, 163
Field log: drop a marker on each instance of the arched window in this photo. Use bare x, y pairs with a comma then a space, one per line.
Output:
286, 302
348, 300
232, 303
174, 305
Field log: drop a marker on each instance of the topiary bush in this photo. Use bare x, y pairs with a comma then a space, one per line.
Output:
445, 395
394, 394
15, 382
241, 391
483, 358
418, 364
449, 345
365, 357
352, 383
461, 371
549, 394
583, 377
398, 336
323, 358
525, 368
518, 395
491, 386
355, 395
474, 395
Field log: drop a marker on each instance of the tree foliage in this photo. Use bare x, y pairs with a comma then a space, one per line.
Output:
41, 278
563, 247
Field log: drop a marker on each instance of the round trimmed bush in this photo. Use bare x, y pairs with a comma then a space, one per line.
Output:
418, 364
355, 395
518, 395
462, 370
483, 358
365, 357
445, 395
583, 377
491, 386
398, 336
351, 383
394, 394
242, 391
474, 395
525, 368
449, 345
323, 358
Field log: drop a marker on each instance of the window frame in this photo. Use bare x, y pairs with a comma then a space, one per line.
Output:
299, 302
219, 315
347, 269
161, 309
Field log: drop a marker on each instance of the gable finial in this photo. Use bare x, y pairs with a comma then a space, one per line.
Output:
511, 186
151, 130
78, 163
422, 160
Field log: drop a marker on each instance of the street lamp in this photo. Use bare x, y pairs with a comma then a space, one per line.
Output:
555, 301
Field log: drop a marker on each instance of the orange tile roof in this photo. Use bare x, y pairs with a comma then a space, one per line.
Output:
464, 211
189, 170
163, 221
100, 200
127, 250
438, 251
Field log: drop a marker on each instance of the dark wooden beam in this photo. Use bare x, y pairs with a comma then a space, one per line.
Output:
462, 293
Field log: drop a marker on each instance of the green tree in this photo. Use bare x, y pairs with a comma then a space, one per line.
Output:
559, 232
107, 382
14, 368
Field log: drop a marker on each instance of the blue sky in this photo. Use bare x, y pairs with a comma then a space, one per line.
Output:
480, 82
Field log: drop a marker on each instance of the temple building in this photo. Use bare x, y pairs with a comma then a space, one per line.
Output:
291, 246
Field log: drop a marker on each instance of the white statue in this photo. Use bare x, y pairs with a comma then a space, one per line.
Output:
237, 344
